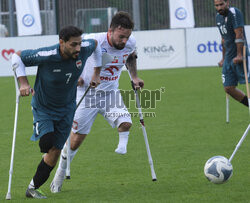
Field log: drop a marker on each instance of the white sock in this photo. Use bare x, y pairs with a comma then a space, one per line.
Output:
123, 139
63, 158
72, 154
31, 185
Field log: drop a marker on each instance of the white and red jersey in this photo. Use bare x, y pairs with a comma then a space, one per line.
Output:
111, 67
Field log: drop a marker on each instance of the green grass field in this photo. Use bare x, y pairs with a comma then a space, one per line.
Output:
189, 128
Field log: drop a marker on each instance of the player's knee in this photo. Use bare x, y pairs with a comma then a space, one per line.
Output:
46, 142
125, 126
76, 140
229, 89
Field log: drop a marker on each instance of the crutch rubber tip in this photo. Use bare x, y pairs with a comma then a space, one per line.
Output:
154, 179
8, 196
67, 177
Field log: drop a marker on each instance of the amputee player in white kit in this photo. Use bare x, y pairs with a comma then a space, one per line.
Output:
107, 99
118, 49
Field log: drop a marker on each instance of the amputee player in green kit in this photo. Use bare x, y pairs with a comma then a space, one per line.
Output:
54, 95
230, 22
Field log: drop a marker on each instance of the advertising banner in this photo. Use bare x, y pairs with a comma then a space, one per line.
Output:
160, 49
192, 47
11, 45
28, 17
204, 46
181, 13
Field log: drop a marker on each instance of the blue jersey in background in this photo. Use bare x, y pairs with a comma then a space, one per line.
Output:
227, 25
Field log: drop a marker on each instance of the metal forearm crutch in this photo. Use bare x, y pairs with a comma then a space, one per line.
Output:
239, 143
8, 195
246, 74
248, 95
150, 160
227, 108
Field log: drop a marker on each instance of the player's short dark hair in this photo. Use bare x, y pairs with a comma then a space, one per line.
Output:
122, 19
69, 31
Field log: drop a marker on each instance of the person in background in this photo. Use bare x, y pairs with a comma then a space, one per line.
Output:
3, 31
230, 22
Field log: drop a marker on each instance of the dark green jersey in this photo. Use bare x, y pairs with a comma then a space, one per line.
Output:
226, 25
56, 79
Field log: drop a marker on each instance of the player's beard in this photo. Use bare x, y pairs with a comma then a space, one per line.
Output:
71, 55
223, 12
118, 46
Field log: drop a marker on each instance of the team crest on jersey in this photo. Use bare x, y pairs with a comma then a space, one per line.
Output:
78, 64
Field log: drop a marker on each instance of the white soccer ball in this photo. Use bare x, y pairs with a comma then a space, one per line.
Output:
218, 169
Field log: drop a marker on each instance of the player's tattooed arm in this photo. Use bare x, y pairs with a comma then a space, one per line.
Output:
132, 68
239, 40
131, 64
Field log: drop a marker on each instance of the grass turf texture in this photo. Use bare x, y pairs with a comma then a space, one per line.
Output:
189, 128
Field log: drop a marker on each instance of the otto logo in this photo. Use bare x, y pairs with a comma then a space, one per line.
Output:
209, 47
111, 69
28, 20
181, 13
7, 54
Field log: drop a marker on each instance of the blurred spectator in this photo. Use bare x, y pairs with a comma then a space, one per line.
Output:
3, 31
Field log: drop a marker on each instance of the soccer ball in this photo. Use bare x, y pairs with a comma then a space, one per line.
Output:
218, 169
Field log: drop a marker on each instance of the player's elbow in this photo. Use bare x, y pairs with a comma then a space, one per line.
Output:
18, 53
131, 58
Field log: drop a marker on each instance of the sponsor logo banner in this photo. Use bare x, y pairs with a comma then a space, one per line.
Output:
11, 45
28, 17
160, 49
181, 13
204, 46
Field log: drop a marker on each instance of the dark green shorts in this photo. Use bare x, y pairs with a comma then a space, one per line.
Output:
59, 126
232, 74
